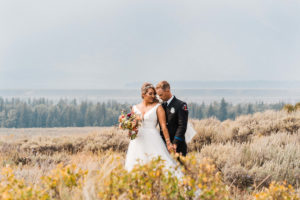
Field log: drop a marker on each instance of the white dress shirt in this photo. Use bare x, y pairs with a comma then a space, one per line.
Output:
169, 101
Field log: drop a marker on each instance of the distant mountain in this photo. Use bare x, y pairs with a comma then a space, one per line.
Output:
227, 84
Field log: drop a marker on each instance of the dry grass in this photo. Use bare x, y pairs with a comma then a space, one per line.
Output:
275, 157
244, 128
254, 149
45, 145
250, 152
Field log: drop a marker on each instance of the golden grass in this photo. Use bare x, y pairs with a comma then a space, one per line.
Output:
249, 153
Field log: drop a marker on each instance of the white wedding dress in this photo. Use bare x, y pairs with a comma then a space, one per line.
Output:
149, 144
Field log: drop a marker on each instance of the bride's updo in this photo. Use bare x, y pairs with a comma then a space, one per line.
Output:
145, 87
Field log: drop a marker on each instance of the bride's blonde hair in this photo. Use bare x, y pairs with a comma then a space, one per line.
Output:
145, 87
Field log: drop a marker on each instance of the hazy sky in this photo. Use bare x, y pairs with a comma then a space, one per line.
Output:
107, 43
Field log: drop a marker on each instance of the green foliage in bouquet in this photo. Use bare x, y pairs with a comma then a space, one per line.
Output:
130, 122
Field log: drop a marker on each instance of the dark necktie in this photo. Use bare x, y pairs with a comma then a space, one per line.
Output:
164, 104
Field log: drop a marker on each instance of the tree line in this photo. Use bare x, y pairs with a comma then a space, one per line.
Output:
43, 112
224, 110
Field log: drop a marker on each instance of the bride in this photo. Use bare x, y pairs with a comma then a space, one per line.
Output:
148, 143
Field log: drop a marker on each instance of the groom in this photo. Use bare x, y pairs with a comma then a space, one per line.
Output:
176, 117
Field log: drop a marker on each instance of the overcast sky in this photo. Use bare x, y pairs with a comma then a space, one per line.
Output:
108, 43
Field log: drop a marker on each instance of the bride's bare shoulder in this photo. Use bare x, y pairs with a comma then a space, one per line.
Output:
138, 106
158, 106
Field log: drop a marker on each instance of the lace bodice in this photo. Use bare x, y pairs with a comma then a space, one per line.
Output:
150, 117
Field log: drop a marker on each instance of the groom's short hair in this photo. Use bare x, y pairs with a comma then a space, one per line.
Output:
164, 85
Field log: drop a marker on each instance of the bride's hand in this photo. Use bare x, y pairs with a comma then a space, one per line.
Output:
170, 148
129, 132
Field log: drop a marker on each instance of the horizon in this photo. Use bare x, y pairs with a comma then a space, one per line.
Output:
132, 95
212, 84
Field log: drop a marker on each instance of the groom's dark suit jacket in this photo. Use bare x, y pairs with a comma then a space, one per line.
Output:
177, 118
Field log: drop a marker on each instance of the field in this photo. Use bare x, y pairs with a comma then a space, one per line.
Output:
253, 157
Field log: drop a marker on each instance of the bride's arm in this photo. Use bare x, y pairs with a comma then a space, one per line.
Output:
162, 121
132, 111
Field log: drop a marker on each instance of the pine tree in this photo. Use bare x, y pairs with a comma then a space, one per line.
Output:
2, 118
250, 109
98, 114
1, 104
199, 113
11, 121
239, 110
223, 110
82, 112
211, 111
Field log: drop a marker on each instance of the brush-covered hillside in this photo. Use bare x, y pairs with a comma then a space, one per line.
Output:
252, 157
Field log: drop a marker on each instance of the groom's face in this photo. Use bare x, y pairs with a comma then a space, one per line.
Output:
163, 94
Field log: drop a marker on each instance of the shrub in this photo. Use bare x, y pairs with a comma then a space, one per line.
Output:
243, 129
149, 181
12, 188
276, 156
278, 191
203, 174
288, 108
64, 181
153, 181
297, 106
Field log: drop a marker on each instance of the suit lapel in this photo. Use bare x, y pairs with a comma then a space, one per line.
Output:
171, 103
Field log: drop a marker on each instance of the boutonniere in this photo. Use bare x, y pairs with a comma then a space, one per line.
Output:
172, 110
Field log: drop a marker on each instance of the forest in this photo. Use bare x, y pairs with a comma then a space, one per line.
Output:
42, 112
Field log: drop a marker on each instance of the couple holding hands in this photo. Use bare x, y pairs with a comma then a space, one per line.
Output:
159, 106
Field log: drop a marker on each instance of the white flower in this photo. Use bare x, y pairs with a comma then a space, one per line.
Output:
172, 110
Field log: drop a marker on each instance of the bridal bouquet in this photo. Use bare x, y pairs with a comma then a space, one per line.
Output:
130, 122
